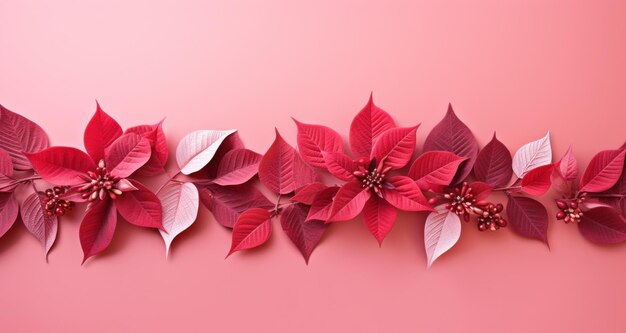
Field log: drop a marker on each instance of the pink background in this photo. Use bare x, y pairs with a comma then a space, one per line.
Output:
520, 67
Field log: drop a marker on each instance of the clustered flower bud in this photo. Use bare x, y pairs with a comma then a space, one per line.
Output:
569, 210
53, 203
462, 201
100, 184
373, 176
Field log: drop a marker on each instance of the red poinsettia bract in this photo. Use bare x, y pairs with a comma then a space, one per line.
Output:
102, 178
380, 148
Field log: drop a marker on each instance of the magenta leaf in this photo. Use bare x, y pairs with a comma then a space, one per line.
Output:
20, 135
282, 170
314, 140
395, 146
197, 149
532, 155
441, 231
481, 190
97, 228
41, 225
237, 167
379, 217
9, 210
227, 203
568, 166
340, 165
452, 135
528, 218
159, 150
367, 126
538, 180
100, 132
603, 225
6, 165
435, 168
180, 202
62, 165
306, 194
321, 208
304, 235
348, 202
253, 228
127, 154
493, 164
140, 207
603, 171
403, 193
232, 142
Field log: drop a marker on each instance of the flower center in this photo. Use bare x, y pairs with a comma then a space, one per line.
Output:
463, 202
373, 176
100, 184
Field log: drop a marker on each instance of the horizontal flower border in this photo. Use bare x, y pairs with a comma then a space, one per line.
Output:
452, 180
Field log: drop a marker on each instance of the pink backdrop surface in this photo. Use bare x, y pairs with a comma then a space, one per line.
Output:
517, 67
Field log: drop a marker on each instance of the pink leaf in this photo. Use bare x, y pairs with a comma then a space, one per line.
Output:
6, 165
197, 149
100, 132
62, 165
537, 181
180, 202
159, 150
452, 135
237, 167
348, 202
493, 164
232, 142
127, 154
20, 135
97, 228
227, 203
528, 218
321, 208
441, 231
435, 168
306, 194
603, 225
314, 140
568, 166
395, 146
367, 126
282, 170
253, 228
379, 217
7, 184
340, 165
304, 235
603, 171
404, 194
40, 224
532, 155
8, 211
141, 207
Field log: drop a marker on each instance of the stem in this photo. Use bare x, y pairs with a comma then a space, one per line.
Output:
508, 188
21, 181
606, 195
277, 206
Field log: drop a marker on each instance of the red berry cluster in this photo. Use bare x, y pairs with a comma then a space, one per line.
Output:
569, 210
54, 205
462, 201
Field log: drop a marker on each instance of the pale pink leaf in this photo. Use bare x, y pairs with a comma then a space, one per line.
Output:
197, 149
568, 166
532, 155
180, 202
441, 231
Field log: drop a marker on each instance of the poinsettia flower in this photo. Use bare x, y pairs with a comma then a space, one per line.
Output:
101, 177
381, 148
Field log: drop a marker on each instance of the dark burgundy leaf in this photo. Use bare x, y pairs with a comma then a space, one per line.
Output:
452, 135
603, 225
8, 211
493, 164
38, 222
528, 218
20, 135
6, 165
227, 203
304, 235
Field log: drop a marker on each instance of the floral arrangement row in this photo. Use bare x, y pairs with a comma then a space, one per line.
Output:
451, 180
